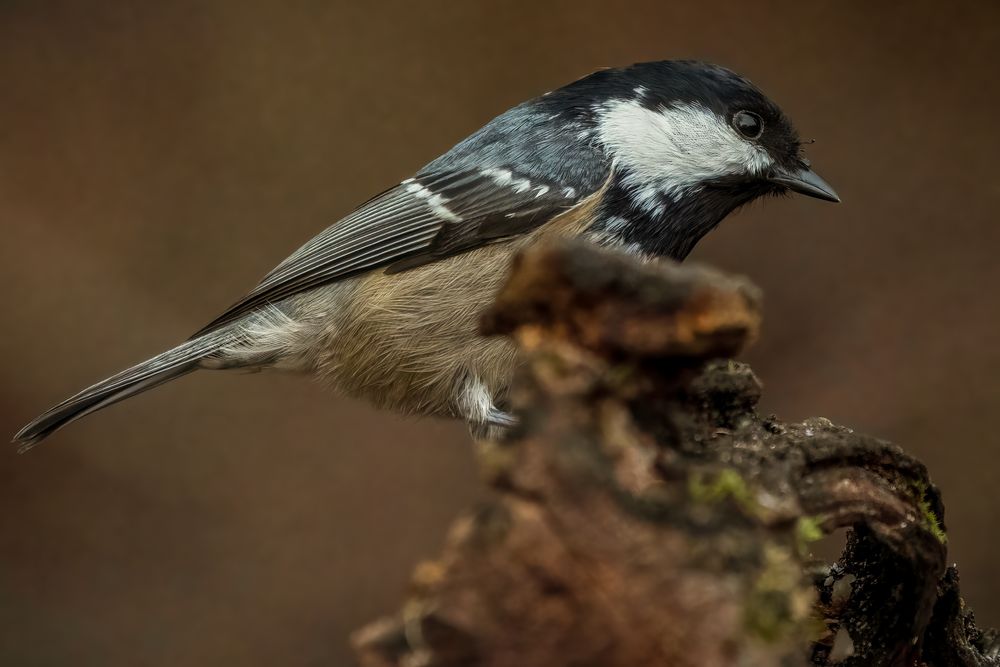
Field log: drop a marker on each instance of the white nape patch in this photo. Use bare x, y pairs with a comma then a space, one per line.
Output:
435, 201
669, 151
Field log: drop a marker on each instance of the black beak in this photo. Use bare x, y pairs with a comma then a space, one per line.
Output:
804, 181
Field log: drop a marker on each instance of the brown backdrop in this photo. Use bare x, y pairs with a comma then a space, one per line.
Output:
157, 158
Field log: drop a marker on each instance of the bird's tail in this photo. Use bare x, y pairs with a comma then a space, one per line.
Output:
162, 368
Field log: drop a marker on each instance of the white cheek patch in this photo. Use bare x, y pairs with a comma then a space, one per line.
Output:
672, 150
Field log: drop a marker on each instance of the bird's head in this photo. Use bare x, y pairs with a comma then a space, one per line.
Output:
689, 143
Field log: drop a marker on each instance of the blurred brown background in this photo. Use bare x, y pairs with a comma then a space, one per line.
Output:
157, 158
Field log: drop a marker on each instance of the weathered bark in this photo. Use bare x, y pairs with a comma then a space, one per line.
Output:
645, 514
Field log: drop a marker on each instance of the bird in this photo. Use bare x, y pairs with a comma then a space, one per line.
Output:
384, 304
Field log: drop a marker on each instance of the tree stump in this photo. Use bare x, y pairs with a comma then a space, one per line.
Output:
645, 514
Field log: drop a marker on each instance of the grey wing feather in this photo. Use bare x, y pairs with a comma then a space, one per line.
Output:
422, 219
510, 176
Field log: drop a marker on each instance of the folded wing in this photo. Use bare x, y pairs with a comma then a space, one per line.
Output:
425, 218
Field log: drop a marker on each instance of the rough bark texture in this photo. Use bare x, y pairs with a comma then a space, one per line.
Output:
645, 514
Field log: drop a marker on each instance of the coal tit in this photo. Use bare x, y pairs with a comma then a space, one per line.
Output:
384, 303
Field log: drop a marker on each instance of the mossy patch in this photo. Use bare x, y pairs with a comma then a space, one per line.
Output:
931, 520
727, 484
808, 529
779, 604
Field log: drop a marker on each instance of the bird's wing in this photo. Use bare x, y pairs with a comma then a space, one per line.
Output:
425, 218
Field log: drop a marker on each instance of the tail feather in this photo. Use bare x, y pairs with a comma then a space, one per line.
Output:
162, 368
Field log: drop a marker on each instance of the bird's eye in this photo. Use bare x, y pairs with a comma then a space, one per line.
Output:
749, 124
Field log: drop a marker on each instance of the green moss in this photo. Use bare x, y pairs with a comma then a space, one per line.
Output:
779, 605
728, 484
932, 522
807, 529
